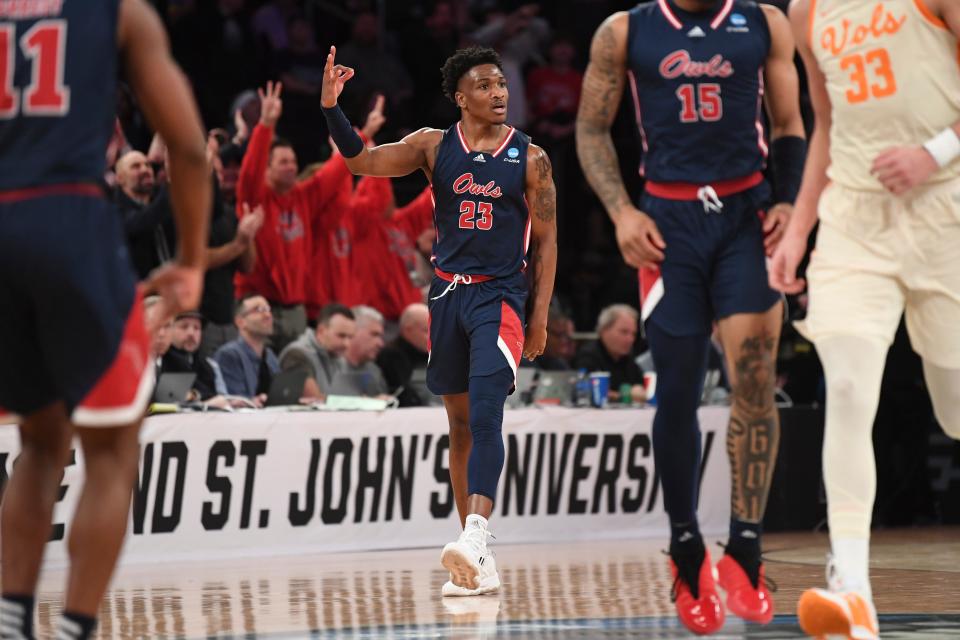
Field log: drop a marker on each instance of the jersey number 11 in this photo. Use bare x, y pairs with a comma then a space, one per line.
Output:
44, 45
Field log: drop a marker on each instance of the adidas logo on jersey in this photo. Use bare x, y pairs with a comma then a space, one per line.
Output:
696, 32
479, 158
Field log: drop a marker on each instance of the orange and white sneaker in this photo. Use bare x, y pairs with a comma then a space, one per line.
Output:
846, 614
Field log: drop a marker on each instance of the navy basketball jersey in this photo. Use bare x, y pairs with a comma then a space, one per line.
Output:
697, 84
58, 68
480, 213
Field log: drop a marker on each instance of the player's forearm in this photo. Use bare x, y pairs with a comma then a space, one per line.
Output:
814, 182
544, 265
191, 194
598, 158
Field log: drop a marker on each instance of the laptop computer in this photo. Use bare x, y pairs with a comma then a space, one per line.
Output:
521, 396
286, 388
555, 387
173, 387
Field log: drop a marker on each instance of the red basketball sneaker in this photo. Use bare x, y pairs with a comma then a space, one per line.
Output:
846, 614
744, 598
698, 606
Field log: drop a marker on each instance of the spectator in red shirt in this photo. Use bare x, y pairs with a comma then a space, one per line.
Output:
333, 258
284, 244
385, 255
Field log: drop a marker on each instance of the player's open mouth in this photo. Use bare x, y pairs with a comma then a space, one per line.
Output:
499, 108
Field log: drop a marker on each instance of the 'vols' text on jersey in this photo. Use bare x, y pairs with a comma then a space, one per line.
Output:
697, 85
481, 217
57, 90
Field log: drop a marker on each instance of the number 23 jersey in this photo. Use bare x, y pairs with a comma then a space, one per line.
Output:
481, 216
893, 79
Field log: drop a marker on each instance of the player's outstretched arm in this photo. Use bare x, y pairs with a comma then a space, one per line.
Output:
542, 201
637, 234
168, 104
389, 160
788, 146
793, 246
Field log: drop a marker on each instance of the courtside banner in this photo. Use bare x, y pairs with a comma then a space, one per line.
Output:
220, 485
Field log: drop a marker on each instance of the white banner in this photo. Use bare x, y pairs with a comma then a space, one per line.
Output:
223, 485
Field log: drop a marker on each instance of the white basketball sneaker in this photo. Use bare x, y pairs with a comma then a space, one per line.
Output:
489, 580
464, 559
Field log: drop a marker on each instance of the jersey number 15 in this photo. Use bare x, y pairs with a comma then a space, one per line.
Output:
44, 45
700, 102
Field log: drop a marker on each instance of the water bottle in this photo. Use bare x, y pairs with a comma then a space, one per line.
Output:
582, 389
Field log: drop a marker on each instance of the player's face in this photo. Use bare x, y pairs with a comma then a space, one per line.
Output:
618, 339
282, 170
335, 337
483, 93
186, 334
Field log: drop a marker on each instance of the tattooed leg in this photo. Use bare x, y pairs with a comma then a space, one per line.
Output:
750, 346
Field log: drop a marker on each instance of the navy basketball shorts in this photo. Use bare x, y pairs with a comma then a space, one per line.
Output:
72, 327
714, 265
475, 330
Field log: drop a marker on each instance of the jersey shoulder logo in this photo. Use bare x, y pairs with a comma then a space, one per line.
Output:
738, 24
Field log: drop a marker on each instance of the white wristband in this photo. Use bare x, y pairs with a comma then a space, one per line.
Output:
944, 147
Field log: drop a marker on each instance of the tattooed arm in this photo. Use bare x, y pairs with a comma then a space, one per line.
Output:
542, 201
637, 235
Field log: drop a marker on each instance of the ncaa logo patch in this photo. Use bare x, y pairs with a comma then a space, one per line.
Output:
513, 152
738, 20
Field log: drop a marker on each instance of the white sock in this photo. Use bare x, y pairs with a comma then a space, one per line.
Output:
852, 558
475, 520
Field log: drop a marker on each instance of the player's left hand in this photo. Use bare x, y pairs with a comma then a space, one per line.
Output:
535, 342
902, 168
774, 224
334, 77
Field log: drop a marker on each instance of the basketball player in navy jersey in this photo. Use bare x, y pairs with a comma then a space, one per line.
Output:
698, 72
494, 193
74, 346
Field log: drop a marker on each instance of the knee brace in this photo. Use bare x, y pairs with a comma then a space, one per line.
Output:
487, 397
681, 363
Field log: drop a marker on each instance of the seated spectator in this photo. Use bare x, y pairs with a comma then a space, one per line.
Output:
183, 356
247, 363
613, 351
319, 353
409, 351
559, 351
360, 375
162, 335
